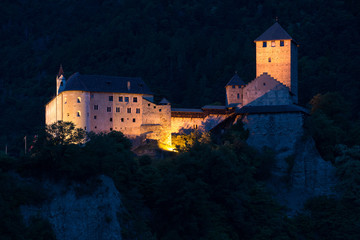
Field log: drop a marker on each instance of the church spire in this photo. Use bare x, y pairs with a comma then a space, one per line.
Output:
60, 81
61, 71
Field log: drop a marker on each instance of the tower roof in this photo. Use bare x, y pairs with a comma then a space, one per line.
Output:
275, 32
235, 80
100, 83
61, 71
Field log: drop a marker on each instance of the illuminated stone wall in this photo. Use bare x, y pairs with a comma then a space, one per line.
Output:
234, 94
275, 60
201, 123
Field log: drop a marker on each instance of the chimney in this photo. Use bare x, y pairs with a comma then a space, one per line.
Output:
128, 85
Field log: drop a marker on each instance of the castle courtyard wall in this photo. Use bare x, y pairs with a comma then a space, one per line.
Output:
179, 124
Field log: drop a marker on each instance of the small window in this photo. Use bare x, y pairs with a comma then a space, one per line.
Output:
273, 43
138, 110
129, 110
95, 127
94, 116
134, 99
68, 114
110, 129
108, 109
154, 106
65, 101
110, 98
233, 86
159, 109
134, 120
78, 114
269, 60
148, 104
281, 43
264, 44
110, 119
61, 84
96, 107
126, 99
120, 99
264, 84
117, 109
79, 99
238, 96
122, 119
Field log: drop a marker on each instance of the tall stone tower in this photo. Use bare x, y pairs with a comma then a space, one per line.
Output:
60, 81
276, 54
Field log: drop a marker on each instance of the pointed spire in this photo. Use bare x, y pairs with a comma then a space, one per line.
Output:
61, 71
275, 32
235, 80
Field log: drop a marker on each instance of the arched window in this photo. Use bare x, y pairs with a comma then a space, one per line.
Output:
78, 113
79, 99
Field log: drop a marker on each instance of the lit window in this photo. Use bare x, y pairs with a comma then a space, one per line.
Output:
117, 109
110, 98
94, 116
122, 119
273, 43
134, 120
65, 101
120, 99
138, 110
135, 99
126, 99
129, 110
79, 99
264, 44
110, 119
78, 113
108, 109
281, 43
96, 107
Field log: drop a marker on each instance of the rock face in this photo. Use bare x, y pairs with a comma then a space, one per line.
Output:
299, 172
86, 217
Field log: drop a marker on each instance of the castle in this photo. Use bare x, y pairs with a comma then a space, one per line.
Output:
267, 104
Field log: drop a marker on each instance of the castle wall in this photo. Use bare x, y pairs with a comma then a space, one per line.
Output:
75, 108
179, 124
275, 60
278, 131
54, 110
279, 96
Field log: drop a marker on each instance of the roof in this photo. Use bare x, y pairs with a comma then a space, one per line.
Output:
61, 71
100, 83
272, 109
235, 80
275, 32
213, 107
164, 101
186, 110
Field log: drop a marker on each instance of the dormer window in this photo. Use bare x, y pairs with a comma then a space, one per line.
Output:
273, 43
264, 44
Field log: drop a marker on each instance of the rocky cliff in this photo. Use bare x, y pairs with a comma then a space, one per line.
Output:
75, 214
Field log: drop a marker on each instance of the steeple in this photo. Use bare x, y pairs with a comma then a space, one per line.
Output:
60, 81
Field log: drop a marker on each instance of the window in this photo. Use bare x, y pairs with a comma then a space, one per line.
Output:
134, 99
94, 116
154, 106
269, 60
95, 127
281, 43
110, 129
273, 43
148, 104
129, 110
78, 114
238, 96
264, 84
233, 86
264, 44
134, 120
96, 107
159, 109
65, 102
110, 98
138, 110
117, 109
68, 114
110, 119
120, 99
126, 99
108, 109
79, 99
122, 119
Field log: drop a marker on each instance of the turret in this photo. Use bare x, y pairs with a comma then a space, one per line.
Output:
60, 81
276, 54
234, 91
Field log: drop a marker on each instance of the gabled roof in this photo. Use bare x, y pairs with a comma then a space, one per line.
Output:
275, 32
235, 80
99, 83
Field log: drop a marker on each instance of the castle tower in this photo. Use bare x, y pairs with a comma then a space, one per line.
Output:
60, 81
276, 54
234, 90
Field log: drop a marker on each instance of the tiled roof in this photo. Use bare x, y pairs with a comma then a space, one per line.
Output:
100, 83
235, 80
272, 109
275, 32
